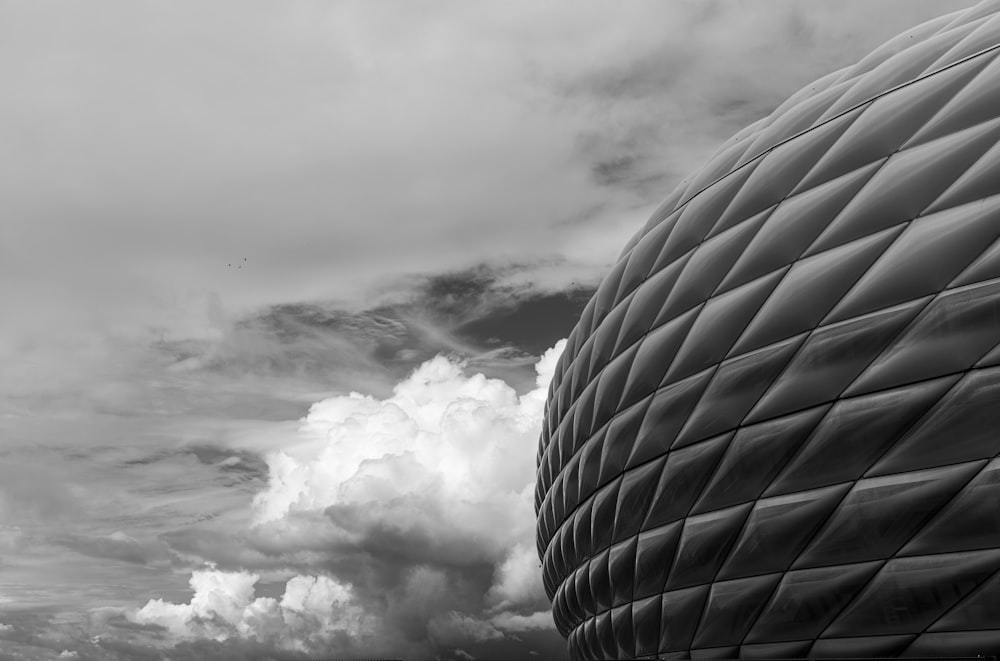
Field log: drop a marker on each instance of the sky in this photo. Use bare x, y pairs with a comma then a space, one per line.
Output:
283, 283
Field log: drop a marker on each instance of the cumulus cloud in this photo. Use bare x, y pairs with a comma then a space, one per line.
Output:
312, 610
410, 517
432, 485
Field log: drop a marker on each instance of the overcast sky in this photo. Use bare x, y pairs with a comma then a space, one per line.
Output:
234, 235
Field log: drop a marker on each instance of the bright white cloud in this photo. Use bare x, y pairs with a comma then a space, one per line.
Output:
461, 446
223, 606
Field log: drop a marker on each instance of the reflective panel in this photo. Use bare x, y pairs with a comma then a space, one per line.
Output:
754, 457
621, 567
970, 521
700, 214
855, 433
888, 122
654, 356
908, 182
719, 324
706, 268
809, 290
967, 416
986, 267
681, 610
880, 514
646, 624
925, 258
704, 543
687, 471
734, 389
910, 593
954, 642
778, 529
638, 488
980, 181
980, 610
794, 225
654, 555
600, 582
832, 357
791, 650
732, 607
785, 165
807, 601
668, 411
977, 103
603, 522
605, 636
618, 440
621, 623
864, 647
955, 331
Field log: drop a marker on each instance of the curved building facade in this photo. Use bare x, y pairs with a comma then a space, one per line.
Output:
775, 430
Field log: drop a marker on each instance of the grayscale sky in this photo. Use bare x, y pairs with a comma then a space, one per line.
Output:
278, 281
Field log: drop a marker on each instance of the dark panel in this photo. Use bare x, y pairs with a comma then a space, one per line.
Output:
621, 567
654, 556
969, 522
777, 530
880, 514
928, 255
720, 653
718, 325
910, 593
780, 171
698, 217
966, 643
646, 304
681, 610
622, 430
807, 600
609, 387
667, 412
638, 488
646, 624
621, 622
654, 357
908, 182
603, 522
606, 636
810, 289
686, 473
980, 610
600, 582
754, 457
968, 416
854, 433
790, 650
794, 225
854, 648
704, 543
734, 389
832, 358
706, 268
732, 607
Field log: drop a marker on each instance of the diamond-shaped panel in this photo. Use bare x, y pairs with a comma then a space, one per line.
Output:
774, 431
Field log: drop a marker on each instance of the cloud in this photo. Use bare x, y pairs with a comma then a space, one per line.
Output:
312, 611
409, 518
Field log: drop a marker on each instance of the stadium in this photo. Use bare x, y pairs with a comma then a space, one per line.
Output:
774, 430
